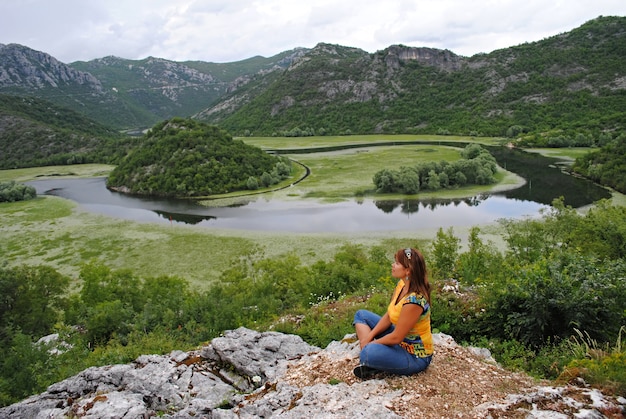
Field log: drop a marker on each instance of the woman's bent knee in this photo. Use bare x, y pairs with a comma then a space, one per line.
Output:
359, 317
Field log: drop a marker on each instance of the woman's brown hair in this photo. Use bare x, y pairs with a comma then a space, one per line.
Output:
414, 260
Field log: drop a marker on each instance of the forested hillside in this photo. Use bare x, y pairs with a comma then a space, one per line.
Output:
564, 86
127, 94
35, 132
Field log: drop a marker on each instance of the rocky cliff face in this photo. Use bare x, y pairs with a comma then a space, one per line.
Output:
26, 72
442, 59
25, 68
247, 374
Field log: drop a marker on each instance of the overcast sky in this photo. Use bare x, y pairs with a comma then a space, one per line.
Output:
233, 30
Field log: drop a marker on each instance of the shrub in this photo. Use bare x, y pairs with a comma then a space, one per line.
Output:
551, 297
13, 192
598, 364
445, 252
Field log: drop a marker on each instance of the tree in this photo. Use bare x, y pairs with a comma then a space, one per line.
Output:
267, 179
460, 179
384, 181
21, 365
526, 240
283, 169
252, 183
33, 298
479, 261
433, 181
165, 304
408, 181
101, 284
445, 252
13, 191
471, 151
107, 318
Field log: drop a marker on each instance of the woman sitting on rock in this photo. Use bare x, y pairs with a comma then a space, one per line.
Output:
400, 342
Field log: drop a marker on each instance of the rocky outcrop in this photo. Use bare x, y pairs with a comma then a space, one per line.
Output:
182, 384
25, 68
247, 374
442, 59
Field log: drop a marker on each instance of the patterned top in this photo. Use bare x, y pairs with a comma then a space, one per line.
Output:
419, 340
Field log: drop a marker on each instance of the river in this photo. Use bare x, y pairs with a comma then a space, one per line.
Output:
544, 182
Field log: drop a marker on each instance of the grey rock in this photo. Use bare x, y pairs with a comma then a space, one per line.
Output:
181, 384
258, 354
483, 353
26, 68
238, 375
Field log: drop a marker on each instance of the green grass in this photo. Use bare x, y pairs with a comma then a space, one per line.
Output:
347, 174
77, 170
310, 142
567, 154
342, 174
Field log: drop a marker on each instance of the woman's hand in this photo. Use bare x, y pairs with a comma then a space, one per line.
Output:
364, 343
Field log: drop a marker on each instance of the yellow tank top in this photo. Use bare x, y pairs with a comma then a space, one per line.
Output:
419, 340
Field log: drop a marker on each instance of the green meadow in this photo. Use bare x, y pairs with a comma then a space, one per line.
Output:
566, 153
327, 141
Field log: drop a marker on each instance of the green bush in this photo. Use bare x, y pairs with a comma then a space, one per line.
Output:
456, 315
476, 167
551, 297
444, 252
13, 191
481, 260
608, 372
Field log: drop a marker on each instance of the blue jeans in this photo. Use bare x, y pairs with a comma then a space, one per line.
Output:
390, 358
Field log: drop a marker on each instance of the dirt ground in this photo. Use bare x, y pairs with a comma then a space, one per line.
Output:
454, 386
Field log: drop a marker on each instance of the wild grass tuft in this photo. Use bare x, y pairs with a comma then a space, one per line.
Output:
598, 364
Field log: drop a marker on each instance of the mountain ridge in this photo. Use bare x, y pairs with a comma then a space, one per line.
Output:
569, 89
124, 93
540, 87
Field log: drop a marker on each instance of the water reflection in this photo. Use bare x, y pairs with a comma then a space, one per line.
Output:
258, 213
183, 218
412, 206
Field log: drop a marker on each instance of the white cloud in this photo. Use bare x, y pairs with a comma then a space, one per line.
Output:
230, 30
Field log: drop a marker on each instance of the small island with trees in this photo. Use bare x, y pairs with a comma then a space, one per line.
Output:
476, 167
187, 158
